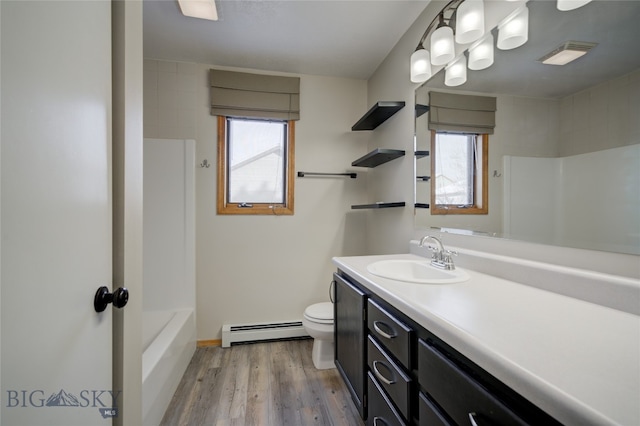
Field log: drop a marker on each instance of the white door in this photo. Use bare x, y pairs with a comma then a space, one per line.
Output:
56, 351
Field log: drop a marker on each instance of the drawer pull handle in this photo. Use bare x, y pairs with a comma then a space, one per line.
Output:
472, 419
377, 419
379, 374
384, 334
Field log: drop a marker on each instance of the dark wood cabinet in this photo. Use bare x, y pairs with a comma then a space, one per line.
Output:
396, 336
399, 373
461, 397
391, 377
430, 415
390, 361
350, 339
381, 410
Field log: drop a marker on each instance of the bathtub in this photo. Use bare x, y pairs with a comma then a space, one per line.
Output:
169, 341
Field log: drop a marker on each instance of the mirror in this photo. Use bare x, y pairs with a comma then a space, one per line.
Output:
564, 160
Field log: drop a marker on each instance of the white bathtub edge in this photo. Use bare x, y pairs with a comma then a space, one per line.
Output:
163, 364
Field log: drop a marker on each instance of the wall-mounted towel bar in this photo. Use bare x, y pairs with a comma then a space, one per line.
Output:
350, 174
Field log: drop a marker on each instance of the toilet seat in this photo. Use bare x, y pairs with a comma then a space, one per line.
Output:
321, 313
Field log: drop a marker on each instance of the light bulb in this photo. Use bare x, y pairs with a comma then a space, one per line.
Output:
456, 72
481, 54
420, 66
469, 21
442, 48
514, 31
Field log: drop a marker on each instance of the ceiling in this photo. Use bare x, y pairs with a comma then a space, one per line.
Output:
350, 38
613, 24
345, 38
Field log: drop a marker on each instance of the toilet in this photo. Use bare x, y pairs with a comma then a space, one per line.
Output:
318, 321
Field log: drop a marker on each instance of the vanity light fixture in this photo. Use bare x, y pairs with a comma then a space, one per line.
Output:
567, 52
465, 18
570, 4
514, 30
203, 9
456, 72
469, 21
420, 66
481, 53
442, 46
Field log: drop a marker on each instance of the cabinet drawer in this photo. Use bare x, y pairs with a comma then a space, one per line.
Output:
381, 411
458, 394
390, 377
430, 415
393, 334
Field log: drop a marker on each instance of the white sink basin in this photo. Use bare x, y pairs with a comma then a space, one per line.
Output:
416, 271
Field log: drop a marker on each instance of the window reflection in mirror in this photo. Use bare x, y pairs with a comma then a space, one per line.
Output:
459, 173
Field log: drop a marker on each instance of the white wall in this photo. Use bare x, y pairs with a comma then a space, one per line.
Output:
601, 117
267, 268
389, 230
169, 225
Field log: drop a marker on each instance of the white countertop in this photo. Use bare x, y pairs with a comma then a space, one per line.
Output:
578, 361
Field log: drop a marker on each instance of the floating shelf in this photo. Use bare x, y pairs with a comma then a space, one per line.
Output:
378, 205
422, 154
422, 205
421, 109
377, 115
377, 157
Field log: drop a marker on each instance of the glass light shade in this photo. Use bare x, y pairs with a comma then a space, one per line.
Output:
514, 31
571, 4
420, 66
481, 54
469, 21
442, 47
456, 72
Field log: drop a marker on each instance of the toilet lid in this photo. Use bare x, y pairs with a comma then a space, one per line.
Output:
320, 312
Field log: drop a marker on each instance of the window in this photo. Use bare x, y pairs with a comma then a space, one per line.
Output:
255, 166
459, 163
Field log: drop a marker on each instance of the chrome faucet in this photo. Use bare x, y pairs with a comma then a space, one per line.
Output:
441, 257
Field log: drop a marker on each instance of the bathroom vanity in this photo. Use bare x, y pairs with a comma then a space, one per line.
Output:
483, 351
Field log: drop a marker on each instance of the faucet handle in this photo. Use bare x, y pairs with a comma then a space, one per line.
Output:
447, 259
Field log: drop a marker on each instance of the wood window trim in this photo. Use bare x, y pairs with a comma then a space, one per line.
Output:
226, 208
481, 207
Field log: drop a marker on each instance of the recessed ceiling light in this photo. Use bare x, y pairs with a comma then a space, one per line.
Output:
203, 9
567, 52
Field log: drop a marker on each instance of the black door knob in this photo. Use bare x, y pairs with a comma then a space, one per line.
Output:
119, 298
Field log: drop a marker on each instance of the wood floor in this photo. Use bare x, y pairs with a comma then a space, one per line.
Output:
271, 384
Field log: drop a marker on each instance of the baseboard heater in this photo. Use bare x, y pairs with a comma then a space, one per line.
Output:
247, 333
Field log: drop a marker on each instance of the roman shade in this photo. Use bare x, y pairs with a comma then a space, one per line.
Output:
239, 94
450, 112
